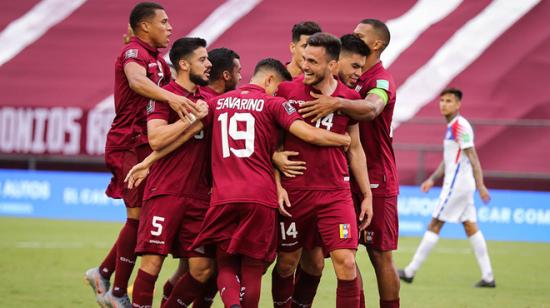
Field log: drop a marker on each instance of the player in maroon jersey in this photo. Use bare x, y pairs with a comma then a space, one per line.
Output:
300, 33
375, 113
323, 217
140, 71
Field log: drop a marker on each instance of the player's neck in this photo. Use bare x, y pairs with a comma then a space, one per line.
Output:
186, 83
294, 69
451, 117
146, 39
327, 86
372, 60
218, 86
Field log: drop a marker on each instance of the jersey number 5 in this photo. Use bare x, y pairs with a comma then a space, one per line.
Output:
247, 135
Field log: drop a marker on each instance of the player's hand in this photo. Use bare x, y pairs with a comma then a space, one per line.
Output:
136, 175
202, 106
289, 168
426, 185
183, 106
128, 35
348, 144
322, 106
484, 194
282, 198
365, 216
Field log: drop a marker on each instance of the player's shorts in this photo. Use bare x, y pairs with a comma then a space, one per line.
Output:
241, 228
119, 162
319, 219
170, 224
383, 232
455, 206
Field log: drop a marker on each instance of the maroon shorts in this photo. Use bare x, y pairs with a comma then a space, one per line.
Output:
383, 232
170, 224
241, 228
119, 162
319, 218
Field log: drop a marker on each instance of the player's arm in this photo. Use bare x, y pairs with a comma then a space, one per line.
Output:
358, 165
282, 195
138, 81
358, 109
318, 136
436, 175
160, 133
478, 174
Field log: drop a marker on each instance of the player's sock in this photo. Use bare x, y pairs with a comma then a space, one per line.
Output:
107, 267
166, 291
426, 245
360, 286
281, 289
389, 304
305, 289
252, 271
347, 293
228, 279
482, 255
144, 286
206, 298
185, 291
126, 257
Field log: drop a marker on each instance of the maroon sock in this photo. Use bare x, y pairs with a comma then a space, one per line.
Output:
126, 257
228, 278
281, 289
206, 298
347, 293
252, 271
389, 304
305, 289
185, 291
143, 289
166, 291
360, 286
107, 267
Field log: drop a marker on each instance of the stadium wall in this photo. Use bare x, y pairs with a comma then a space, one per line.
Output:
511, 215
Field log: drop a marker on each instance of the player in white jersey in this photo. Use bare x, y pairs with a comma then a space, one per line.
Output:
462, 175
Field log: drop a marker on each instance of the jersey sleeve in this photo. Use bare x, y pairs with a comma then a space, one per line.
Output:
158, 110
464, 134
284, 113
207, 121
134, 53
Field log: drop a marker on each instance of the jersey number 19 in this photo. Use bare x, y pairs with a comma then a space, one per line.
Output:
247, 135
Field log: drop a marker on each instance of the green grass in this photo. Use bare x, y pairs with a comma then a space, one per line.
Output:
42, 264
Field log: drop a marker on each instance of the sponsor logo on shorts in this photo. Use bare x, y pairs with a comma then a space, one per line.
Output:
345, 231
156, 242
370, 236
200, 249
131, 53
346, 179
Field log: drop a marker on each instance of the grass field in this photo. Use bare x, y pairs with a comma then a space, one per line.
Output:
42, 263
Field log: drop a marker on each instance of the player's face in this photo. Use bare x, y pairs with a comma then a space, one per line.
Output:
298, 48
448, 104
369, 36
235, 76
350, 68
160, 29
200, 66
315, 65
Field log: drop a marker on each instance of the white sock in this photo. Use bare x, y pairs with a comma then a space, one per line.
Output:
426, 245
482, 255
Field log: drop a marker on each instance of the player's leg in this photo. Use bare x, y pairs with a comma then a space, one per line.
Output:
308, 277
144, 285
479, 246
428, 242
251, 281
347, 292
183, 267
228, 278
282, 277
206, 298
192, 283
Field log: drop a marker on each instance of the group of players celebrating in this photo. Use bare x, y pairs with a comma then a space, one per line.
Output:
230, 179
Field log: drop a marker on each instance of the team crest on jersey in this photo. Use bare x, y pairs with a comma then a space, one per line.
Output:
131, 53
383, 84
151, 106
288, 107
345, 231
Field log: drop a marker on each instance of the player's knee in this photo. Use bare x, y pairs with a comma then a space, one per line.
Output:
344, 263
151, 264
380, 258
313, 267
201, 269
286, 265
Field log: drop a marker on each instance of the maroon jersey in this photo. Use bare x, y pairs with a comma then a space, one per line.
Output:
129, 126
327, 167
245, 131
376, 135
185, 171
210, 91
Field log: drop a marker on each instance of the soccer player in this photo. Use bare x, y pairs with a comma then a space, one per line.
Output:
375, 113
322, 209
140, 70
300, 34
352, 59
462, 175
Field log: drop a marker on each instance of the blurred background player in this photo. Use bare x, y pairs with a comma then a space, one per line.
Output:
225, 73
462, 175
300, 34
140, 70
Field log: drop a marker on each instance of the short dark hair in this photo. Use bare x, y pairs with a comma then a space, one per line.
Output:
275, 66
304, 28
353, 44
328, 41
183, 47
454, 91
222, 60
380, 28
143, 11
